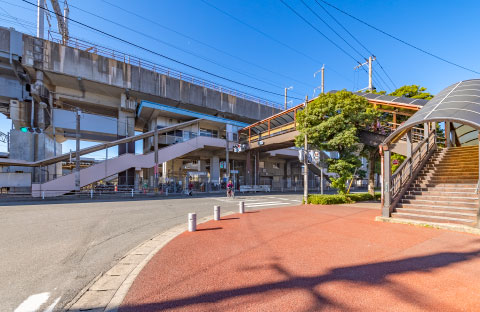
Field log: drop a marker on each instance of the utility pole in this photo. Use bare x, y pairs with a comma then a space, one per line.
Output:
155, 150
305, 161
286, 89
40, 18
77, 153
370, 71
227, 150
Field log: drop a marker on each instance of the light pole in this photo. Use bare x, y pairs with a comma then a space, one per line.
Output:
286, 89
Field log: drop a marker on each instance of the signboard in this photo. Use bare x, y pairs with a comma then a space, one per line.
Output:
395, 162
233, 171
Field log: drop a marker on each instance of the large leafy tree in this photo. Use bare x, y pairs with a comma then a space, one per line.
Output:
332, 122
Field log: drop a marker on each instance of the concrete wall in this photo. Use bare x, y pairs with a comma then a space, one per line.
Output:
13, 179
165, 89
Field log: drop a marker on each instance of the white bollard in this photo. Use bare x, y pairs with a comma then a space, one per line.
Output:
132, 193
192, 222
91, 193
241, 207
166, 192
43, 194
216, 213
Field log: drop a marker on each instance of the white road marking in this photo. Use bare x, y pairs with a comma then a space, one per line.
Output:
52, 306
33, 303
279, 198
295, 200
265, 204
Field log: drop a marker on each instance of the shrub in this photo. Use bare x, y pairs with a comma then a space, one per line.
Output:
328, 199
318, 199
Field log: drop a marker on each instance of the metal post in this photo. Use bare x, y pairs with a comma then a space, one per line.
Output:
216, 213
305, 162
227, 153
286, 98
77, 153
386, 182
192, 222
155, 148
447, 134
409, 143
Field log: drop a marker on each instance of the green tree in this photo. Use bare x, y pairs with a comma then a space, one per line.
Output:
332, 122
413, 91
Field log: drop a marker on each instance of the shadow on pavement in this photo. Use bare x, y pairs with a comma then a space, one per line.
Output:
372, 274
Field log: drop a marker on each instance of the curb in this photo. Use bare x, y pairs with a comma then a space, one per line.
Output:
107, 291
443, 226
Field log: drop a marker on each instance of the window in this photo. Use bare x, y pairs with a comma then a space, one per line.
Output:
276, 165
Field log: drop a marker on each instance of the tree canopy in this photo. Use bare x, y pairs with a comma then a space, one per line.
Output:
411, 91
332, 122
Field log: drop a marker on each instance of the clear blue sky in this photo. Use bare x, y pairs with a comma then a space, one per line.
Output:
441, 27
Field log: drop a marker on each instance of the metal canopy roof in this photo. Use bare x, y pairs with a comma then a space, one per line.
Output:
459, 103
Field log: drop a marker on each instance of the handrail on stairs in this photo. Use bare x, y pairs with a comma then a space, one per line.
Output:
407, 171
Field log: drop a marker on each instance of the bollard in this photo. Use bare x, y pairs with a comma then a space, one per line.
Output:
91, 193
132, 193
43, 194
192, 222
216, 213
241, 207
166, 192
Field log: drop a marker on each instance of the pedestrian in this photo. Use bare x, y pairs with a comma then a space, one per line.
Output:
230, 191
190, 188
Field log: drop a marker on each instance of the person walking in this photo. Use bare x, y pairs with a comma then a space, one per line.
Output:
230, 191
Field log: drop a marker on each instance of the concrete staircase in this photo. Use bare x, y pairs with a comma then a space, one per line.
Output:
444, 190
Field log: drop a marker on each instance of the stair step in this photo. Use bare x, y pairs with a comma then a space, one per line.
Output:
446, 193
450, 209
438, 213
439, 206
439, 203
470, 186
437, 219
440, 197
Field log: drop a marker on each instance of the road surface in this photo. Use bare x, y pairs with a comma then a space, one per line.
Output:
51, 251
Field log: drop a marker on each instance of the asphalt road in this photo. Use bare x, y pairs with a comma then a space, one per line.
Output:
51, 251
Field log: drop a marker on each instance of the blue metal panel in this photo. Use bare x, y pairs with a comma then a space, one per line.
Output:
189, 113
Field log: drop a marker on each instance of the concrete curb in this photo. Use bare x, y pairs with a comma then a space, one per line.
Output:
107, 291
443, 226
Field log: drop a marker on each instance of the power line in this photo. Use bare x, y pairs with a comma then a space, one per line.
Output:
321, 33
358, 41
272, 38
164, 56
331, 28
206, 44
249, 75
400, 40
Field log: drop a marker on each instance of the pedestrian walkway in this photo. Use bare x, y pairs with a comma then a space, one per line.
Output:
311, 258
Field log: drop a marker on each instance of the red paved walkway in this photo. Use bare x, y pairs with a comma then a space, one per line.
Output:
311, 258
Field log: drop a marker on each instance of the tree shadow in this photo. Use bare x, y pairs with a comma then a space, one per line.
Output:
371, 274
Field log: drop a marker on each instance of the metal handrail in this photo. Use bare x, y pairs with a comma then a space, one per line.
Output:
405, 171
136, 61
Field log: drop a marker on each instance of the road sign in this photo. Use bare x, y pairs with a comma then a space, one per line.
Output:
233, 171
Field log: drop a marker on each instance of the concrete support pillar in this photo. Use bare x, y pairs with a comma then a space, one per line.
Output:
215, 169
248, 168
125, 128
387, 174
137, 178
448, 142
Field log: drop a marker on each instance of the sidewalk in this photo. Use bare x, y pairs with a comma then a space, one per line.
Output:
310, 258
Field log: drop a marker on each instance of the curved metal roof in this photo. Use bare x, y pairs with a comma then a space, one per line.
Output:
459, 103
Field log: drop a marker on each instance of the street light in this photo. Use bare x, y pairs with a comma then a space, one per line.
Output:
286, 89
315, 90
322, 70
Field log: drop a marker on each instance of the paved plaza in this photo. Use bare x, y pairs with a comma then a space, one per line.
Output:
311, 258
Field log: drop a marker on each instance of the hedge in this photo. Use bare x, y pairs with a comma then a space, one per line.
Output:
340, 199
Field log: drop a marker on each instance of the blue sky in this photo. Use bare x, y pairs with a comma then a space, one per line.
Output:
440, 27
